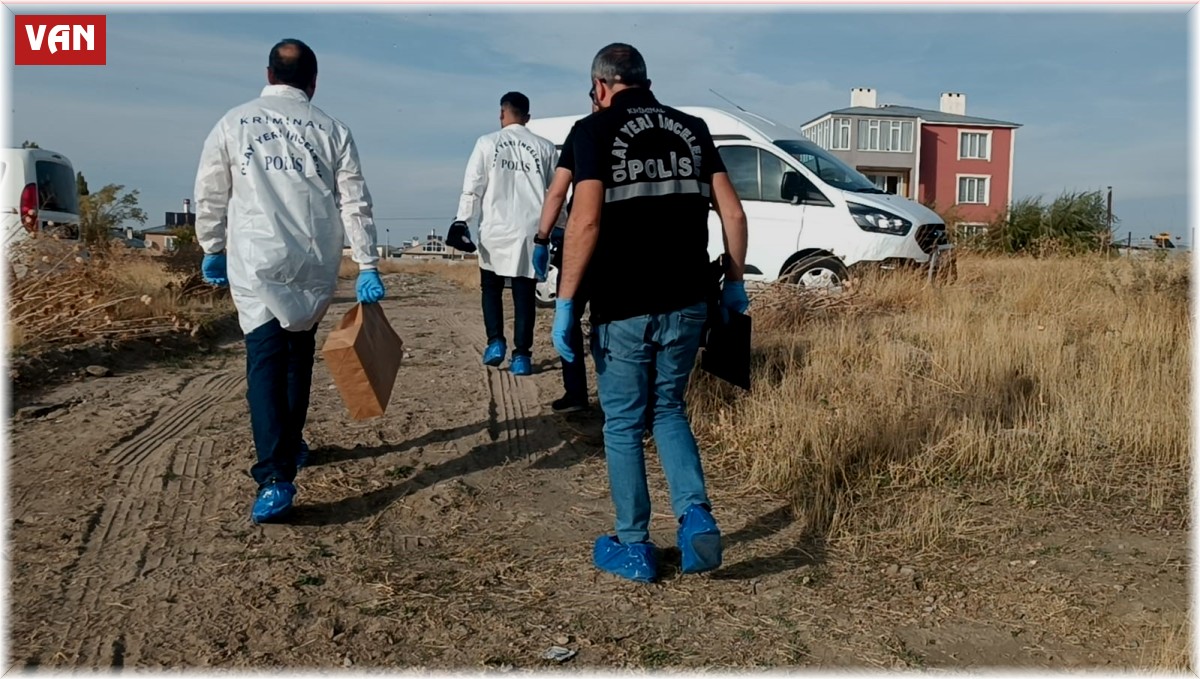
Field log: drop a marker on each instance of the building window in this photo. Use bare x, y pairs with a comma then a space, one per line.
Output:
970, 229
831, 133
973, 190
894, 136
842, 127
974, 145
895, 183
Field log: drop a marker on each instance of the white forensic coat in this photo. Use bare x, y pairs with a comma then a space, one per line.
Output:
278, 185
504, 188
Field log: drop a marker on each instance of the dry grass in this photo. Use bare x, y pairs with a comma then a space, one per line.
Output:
464, 273
1172, 652
891, 413
66, 296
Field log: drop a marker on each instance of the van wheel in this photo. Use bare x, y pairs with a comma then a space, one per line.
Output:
546, 292
817, 273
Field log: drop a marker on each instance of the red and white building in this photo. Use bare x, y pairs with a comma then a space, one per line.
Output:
944, 157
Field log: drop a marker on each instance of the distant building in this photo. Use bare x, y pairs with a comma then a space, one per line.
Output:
127, 238
434, 247
160, 239
944, 157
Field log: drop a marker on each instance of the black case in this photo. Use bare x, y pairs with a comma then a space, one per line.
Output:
725, 343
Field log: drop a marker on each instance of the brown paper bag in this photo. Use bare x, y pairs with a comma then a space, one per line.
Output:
363, 354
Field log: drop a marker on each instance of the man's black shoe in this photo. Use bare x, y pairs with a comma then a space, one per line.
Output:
569, 404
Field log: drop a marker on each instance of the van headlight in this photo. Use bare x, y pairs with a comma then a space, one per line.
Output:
879, 221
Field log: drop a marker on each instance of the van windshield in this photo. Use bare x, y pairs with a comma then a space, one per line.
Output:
57, 191
826, 166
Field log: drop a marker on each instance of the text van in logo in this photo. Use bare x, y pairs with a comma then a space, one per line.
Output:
60, 40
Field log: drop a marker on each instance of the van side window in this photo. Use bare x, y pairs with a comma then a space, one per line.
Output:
771, 169
741, 162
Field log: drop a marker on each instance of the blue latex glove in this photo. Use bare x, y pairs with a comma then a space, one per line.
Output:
541, 260
213, 271
564, 312
370, 287
733, 297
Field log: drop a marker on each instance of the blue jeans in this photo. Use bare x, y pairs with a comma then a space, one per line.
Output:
643, 365
279, 366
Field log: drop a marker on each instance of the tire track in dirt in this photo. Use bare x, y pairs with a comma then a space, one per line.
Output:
508, 413
150, 516
174, 420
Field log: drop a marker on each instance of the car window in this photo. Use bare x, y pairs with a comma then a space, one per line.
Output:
741, 162
826, 166
57, 191
771, 169
828, 173
808, 188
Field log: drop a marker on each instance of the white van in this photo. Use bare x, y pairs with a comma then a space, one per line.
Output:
37, 194
811, 217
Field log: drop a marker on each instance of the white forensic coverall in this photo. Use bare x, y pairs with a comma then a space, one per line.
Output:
505, 186
278, 185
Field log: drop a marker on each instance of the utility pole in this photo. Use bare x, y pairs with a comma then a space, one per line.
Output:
387, 240
1109, 239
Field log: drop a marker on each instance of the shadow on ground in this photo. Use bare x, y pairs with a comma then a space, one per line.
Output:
544, 432
809, 550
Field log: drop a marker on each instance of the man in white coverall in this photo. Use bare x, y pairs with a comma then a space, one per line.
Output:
505, 186
278, 185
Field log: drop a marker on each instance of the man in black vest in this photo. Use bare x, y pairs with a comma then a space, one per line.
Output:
575, 393
645, 176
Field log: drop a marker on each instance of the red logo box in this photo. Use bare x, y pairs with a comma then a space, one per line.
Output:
60, 40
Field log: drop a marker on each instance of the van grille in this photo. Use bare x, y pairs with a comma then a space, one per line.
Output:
929, 236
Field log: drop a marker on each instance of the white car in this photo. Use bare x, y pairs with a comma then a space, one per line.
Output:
811, 217
38, 194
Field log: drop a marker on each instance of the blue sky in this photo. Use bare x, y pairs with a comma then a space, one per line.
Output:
1102, 96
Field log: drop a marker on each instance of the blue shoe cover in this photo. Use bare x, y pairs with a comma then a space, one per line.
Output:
699, 541
522, 366
633, 562
494, 355
273, 501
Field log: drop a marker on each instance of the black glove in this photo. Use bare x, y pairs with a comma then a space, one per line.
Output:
459, 237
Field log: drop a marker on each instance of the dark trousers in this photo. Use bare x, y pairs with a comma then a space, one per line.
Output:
575, 372
523, 296
279, 367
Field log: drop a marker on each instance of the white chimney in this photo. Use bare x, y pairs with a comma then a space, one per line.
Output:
187, 206
953, 102
862, 96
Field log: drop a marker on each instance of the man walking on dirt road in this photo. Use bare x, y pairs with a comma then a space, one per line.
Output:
574, 372
504, 188
645, 176
279, 184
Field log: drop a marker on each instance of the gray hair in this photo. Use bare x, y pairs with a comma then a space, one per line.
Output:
620, 63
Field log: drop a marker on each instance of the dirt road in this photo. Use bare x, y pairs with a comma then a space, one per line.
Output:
456, 532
